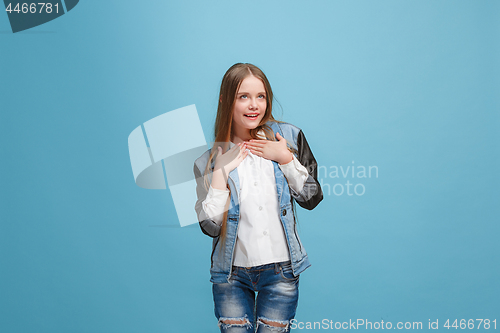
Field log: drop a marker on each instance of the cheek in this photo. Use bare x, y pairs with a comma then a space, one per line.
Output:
239, 108
263, 106
236, 109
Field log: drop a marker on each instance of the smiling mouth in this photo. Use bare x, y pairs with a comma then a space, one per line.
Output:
253, 115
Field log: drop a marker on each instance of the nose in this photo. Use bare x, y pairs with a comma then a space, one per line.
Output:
253, 104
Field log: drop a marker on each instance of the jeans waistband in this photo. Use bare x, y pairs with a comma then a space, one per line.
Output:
274, 265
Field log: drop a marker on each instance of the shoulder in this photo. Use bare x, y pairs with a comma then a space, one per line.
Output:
201, 162
287, 130
283, 125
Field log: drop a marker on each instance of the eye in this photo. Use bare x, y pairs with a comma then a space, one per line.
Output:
243, 96
262, 96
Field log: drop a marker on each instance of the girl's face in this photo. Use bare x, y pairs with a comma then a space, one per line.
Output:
250, 104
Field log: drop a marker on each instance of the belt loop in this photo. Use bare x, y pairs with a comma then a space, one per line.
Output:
276, 268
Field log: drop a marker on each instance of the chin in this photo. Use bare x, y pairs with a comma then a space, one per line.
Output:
251, 127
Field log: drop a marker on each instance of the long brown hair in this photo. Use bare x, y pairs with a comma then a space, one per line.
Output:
223, 123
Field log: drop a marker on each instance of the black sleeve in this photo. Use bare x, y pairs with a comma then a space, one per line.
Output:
311, 193
208, 226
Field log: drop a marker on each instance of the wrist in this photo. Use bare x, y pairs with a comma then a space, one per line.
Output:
219, 179
287, 158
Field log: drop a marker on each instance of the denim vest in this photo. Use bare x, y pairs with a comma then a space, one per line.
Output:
222, 254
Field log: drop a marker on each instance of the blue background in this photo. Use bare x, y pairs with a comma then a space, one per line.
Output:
411, 87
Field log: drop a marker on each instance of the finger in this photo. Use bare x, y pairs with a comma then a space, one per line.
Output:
242, 150
258, 141
255, 144
256, 152
243, 147
242, 156
253, 150
234, 149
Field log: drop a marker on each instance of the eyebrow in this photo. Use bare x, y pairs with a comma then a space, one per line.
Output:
263, 93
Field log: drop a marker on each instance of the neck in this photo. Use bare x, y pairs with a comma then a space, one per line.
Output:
240, 136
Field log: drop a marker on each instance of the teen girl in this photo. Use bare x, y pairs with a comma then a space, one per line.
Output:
246, 185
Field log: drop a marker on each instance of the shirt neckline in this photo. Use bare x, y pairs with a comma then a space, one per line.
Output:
259, 133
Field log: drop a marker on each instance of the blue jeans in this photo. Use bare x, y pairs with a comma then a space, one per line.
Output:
238, 310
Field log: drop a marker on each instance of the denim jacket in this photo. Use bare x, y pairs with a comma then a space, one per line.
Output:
309, 197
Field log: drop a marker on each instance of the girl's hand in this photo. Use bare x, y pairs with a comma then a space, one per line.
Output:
271, 150
230, 159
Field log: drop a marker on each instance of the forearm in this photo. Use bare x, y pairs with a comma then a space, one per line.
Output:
311, 193
214, 204
204, 207
285, 158
219, 179
295, 173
